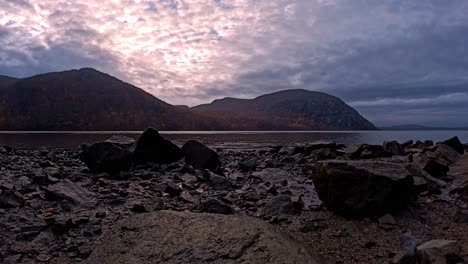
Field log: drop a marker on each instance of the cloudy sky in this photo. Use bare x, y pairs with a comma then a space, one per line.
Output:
396, 61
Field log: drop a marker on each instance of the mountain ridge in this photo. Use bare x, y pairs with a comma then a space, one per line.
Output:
87, 99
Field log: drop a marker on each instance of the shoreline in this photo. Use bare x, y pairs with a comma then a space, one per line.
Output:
61, 211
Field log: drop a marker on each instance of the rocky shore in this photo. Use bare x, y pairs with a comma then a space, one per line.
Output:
151, 201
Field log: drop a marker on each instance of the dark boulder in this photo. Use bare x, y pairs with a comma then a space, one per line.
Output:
360, 188
434, 167
106, 157
152, 147
121, 141
200, 156
394, 147
180, 237
455, 144
446, 154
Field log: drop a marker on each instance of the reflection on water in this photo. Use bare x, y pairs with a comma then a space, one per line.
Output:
227, 139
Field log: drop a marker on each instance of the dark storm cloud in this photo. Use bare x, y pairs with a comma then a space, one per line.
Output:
395, 61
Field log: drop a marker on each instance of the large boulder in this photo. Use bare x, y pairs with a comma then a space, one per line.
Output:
181, 237
121, 141
394, 148
439, 251
200, 156
106, 157
455, 144
360, 188
437, 163
431, 165
446, 154
152, 147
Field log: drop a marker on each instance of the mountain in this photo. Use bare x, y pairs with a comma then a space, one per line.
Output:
6, 81
286, 110
87, 99
421, 127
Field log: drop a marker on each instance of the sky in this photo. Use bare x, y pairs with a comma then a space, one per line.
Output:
395, 61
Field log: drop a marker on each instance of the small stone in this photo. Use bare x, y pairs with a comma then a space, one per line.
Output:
139, 208
278, 205
404, 257
249, 164
43, 258
219, 182
101, 214
387, 222
370, 244
461, 217
438, 251
10, 199
172, 189
215, 206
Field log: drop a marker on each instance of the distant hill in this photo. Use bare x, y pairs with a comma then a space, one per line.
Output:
87, 99
6, 81
286, 110
421, 127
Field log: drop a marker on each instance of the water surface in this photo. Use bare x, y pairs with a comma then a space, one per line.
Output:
228, 139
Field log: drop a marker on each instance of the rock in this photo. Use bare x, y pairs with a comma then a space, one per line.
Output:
408, 242
434, 167
423, 145
286, 151
279, 205
407, 144
446, 155
387, 222
394, 147
455, 144
151, 147
198, 238
121, 141
139, 208
403, 257
10, 199
72, 192
249, 164
200, 156
359, 188
461, 217
423, 181
367, 152
324, 154
106, 157
172, 189
319, 145
215, 206
272, 175
219, 182
437, 251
